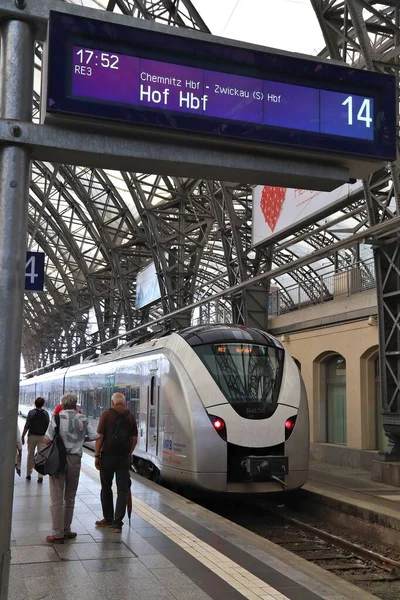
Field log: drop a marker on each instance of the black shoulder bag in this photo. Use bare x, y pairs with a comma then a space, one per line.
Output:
52, 460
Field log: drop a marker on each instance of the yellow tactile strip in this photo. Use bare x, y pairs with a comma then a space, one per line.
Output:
243, 581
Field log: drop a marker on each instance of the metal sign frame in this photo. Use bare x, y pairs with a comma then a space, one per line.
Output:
110, 59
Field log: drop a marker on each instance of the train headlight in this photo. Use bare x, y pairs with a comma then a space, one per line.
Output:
219, 426
289, 426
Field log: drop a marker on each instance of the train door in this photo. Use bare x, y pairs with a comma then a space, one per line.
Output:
153, 401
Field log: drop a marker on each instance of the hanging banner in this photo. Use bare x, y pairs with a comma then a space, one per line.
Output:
279, 211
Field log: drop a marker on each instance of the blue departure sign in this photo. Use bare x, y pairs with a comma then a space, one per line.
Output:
34, 272
167, 82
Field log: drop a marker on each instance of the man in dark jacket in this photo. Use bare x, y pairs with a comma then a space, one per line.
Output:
36, 426
117, 437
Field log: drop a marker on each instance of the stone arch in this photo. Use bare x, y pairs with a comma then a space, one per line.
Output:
373, 437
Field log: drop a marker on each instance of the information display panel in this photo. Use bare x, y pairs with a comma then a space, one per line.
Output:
171, 82
147, 287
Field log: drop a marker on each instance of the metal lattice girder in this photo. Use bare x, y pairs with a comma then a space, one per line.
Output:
176, 220
180, 13
99, 228
365, 33
93, 241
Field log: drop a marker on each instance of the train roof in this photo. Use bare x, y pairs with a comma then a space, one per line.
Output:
214, 334
194, 336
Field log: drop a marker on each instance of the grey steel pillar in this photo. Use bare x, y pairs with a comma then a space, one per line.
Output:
16, 89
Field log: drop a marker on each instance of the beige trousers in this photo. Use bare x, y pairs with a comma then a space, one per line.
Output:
34, 441
62, 495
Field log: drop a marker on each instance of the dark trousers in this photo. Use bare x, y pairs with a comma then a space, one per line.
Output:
118, 465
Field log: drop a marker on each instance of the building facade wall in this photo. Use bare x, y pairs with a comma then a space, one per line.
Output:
357, 342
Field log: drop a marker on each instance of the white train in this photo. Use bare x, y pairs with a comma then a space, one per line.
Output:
220, 408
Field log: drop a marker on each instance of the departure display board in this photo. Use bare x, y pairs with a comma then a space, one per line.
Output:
154, 84
167, 82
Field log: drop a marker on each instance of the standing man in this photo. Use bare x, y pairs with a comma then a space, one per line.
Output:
74, 430
36, 426
117, 437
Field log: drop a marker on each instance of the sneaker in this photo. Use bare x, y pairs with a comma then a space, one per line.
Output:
117, 529
53, 540
28, 477
103, 523
40, 480
70, 535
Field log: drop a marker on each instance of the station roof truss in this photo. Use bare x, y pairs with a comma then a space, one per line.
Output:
98, 228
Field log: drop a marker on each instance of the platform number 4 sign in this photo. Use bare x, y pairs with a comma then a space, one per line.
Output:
34, 272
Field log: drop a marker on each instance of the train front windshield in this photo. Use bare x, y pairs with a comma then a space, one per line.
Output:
249, 375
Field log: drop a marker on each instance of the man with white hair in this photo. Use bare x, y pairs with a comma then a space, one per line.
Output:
117, 437
74, 430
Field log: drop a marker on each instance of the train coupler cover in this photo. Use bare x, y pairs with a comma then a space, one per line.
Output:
266, 465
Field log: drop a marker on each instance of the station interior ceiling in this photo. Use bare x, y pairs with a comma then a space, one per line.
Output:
99, 228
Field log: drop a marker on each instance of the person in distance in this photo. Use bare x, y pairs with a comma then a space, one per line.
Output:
117, 437
74, 431
36, 426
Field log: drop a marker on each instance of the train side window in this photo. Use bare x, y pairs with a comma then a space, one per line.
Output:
152, 390
80, 394
99, 403
133, 403
134, 408
90, 403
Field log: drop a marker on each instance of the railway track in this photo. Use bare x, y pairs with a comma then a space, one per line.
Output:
351, 561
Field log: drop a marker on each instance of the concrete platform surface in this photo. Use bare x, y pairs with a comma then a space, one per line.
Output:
173, 550
357, 485
355, 500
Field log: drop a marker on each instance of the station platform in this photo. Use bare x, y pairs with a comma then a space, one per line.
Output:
172, 550
349, 497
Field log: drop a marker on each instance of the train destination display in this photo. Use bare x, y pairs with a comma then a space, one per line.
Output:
136, 81
171, 82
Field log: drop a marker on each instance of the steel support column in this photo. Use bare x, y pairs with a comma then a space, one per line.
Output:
365, 33
387, 267
16, 88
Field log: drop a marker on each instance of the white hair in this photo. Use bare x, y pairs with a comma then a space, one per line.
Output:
118, 399
69, 401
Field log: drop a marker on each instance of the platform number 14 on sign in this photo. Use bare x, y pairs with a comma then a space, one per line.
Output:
363, 114
34, 272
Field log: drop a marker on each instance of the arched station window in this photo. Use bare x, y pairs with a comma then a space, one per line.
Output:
336, 420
